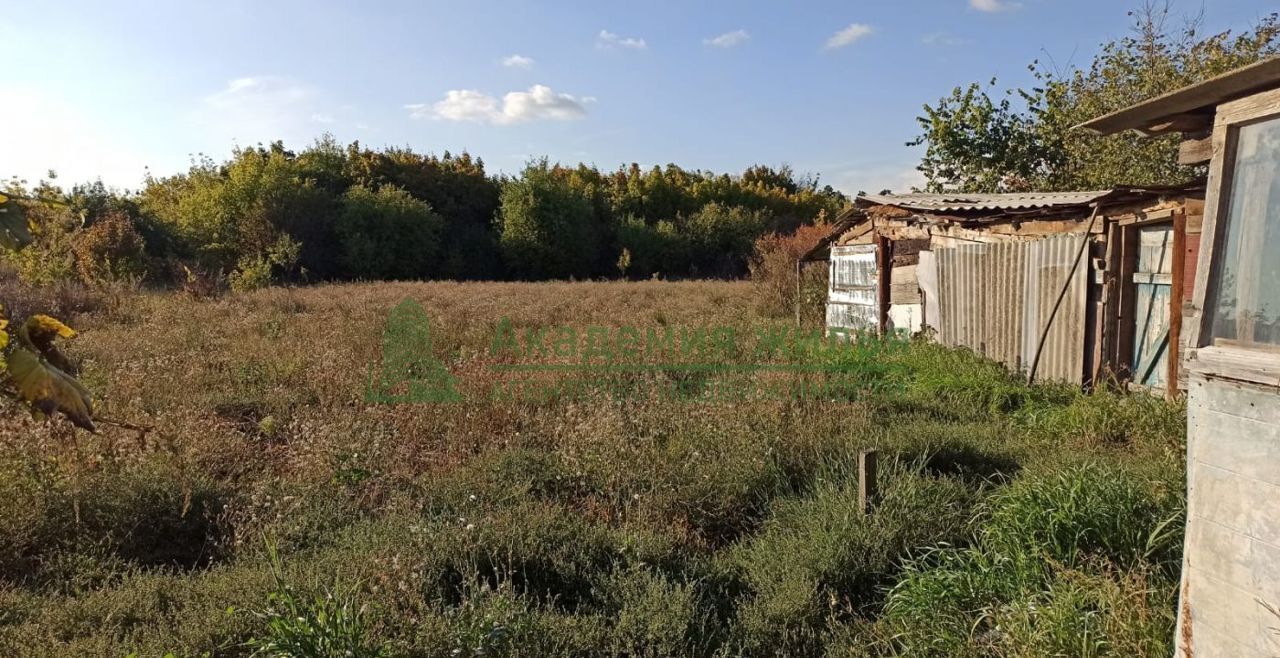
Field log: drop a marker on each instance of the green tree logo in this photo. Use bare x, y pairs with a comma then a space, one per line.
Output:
409, 371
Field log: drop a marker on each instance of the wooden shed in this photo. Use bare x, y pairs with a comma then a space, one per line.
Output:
1230, 598
1077, 286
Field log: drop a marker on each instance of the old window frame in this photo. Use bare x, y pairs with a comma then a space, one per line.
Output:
1245, 363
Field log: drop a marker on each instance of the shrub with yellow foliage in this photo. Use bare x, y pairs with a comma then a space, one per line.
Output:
41, 374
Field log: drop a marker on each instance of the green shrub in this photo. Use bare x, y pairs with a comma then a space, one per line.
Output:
657, 249
48, 259
1084, 511
260, 270
1075, 562
818, 557
548, 228
327, 624
110, 249
722, 237
655, 616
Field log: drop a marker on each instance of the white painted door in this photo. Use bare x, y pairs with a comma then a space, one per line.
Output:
852, 297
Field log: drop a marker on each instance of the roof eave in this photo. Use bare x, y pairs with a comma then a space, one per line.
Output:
1189, 106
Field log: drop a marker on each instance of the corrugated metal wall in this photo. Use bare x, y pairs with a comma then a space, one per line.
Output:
996, 297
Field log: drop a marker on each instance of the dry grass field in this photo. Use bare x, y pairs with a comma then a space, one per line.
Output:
272, 510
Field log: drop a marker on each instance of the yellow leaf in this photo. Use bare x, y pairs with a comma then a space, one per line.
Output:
38, 334
43, 327
50, 390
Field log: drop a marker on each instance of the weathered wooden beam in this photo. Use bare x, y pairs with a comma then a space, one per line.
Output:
1176, 292
884, 261
1194, 151
868, 493
1127, 303
1111, 284
1180, 123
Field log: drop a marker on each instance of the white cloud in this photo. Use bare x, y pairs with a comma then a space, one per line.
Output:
606, 40
728, 39
517, 62
848, 35
539, 103
458, 105
321, 117
993, 5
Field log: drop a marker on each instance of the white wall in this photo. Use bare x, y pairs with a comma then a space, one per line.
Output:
1232, 561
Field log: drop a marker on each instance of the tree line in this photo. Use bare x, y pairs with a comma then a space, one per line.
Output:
333, 212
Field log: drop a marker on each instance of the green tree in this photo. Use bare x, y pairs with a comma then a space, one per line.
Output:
722, 238
388, 234
1025, 140
655, 249
548, 226
456, 187
39, 233
235, 215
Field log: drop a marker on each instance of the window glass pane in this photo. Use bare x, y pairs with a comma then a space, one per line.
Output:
1246, 306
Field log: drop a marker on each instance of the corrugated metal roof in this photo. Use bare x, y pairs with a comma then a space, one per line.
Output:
1010, 201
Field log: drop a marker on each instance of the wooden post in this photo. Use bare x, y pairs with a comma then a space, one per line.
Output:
799, 287
1176, 293
1111, 286
867, 492
1127, 304
884, 258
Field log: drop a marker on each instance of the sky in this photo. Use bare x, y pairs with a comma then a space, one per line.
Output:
832, 88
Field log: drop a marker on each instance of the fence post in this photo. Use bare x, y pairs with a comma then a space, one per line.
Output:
867, 492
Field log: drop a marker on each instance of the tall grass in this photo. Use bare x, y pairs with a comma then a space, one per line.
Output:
1015, 520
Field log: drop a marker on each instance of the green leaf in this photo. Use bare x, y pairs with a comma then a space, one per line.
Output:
14, 233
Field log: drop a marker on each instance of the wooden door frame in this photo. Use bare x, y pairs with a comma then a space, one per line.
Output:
1120, 300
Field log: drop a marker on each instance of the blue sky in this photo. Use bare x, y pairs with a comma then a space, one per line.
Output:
829, 87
